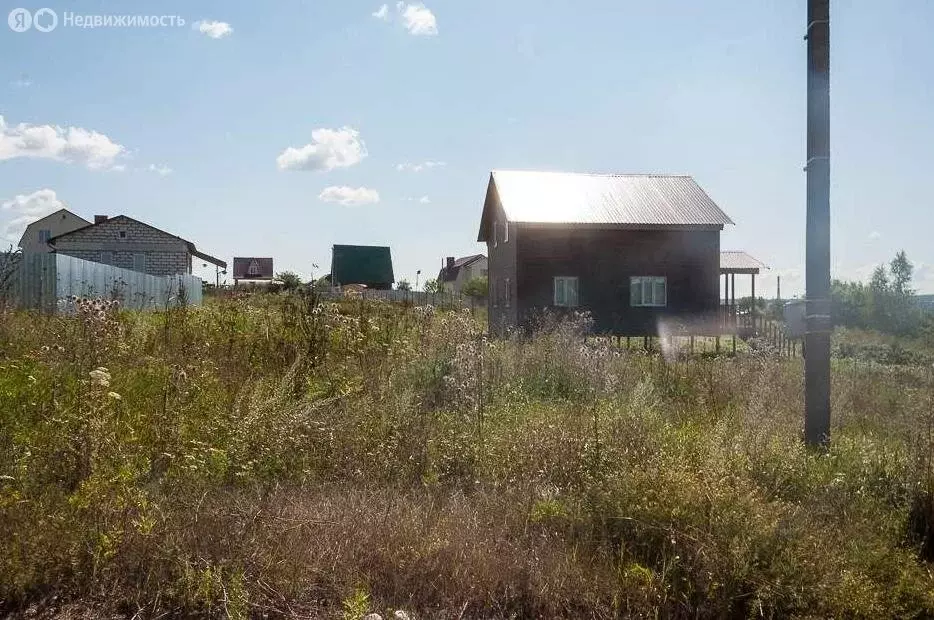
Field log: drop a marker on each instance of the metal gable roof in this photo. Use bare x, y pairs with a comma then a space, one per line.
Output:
361, 264
739, 261
573, 198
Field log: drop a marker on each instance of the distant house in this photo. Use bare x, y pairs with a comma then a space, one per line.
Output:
456, 273
252, 269
633, 250
37, 235
124, 242
369, 265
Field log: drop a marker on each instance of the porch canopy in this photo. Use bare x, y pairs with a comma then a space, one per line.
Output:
739, 262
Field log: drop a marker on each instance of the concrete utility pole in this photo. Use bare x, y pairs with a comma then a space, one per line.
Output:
817, 272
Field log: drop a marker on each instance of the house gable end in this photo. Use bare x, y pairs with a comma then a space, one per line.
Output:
492, 208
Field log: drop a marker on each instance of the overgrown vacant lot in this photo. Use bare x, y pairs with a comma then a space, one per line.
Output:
274, 456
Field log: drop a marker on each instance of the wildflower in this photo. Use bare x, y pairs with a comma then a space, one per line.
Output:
100, 376
114, 396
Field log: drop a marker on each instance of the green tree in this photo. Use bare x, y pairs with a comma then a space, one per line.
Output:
290, 280
476, 287
432, 286
902, 270
403, 285
885, 304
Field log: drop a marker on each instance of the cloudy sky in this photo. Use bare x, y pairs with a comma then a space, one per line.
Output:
282, 128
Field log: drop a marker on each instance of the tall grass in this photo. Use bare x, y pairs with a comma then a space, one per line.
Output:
279, 456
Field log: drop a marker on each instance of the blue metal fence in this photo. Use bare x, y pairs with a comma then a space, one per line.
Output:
46, 281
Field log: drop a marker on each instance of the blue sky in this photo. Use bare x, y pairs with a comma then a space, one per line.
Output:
193, 124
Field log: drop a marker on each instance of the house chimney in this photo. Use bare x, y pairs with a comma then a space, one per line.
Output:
100, 218
450, 262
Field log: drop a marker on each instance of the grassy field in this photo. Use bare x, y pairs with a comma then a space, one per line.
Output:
273, 457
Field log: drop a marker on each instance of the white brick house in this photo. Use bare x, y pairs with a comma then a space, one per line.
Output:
456, 273
124, 242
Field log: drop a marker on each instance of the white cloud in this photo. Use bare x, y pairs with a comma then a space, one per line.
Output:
428, 165
69, 144
26, 209
328, 149
349, 196
161, 169
117, 168
215, 30
22, 82
875, 235
415, 17
418, 19
423, 200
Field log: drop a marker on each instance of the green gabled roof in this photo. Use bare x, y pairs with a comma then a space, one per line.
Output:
361, 264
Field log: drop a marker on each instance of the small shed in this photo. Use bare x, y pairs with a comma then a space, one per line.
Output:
369, 265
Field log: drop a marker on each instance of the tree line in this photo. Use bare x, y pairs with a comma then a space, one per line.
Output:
887, 303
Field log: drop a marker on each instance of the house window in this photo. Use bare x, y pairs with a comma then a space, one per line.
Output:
139, 262
495, 233
107, 258
508, 292
45, 235
122, 235
505, 232
648, 291
566, 292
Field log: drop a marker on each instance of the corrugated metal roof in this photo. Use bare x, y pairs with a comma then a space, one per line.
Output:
573, 198
739, 261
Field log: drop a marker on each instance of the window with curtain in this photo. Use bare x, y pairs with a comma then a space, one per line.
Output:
648, 291
566, 291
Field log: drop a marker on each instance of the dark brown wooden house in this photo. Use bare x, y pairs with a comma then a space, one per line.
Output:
635, 251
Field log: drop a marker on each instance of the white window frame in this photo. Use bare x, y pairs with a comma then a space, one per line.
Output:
648, 284
560, 283
506, 232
